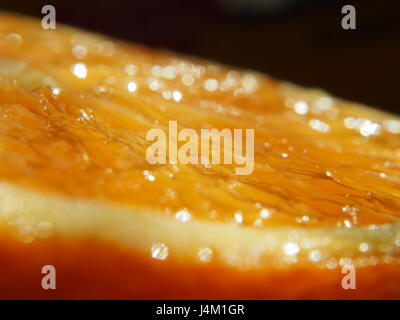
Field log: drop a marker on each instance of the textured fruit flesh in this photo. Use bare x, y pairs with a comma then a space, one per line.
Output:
318, 161
74, 112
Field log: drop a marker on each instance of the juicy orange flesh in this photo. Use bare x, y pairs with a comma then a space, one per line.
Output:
70, 125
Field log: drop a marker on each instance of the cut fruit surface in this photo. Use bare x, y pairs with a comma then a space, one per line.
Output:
75, 109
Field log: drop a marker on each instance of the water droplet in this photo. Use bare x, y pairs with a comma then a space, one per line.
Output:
55, 91
315, 255
159, 251
14, 39
331, 263
205, 254
265, 213
177, 95
84, 114
347, 223
183, 215
79, 70
249, 83
211, 85
392, 126
351, 123
397, 239
301, 107
168, 72
148, 176
352, 210
156, 71
319, 125
130, 69
345, 261
79, 51
167, 94
154, 84
363, 247
369, 128
238, 217
302, 219
322, 104
291, 248
187, 79
132, 86
328, 173
85, 157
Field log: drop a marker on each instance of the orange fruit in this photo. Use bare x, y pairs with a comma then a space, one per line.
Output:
77, 192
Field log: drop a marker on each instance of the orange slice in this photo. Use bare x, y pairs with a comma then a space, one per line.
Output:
77, 192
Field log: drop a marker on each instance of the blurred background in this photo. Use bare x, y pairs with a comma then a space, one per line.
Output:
296, 40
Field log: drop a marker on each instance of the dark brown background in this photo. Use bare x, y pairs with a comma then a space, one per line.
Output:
302, 41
